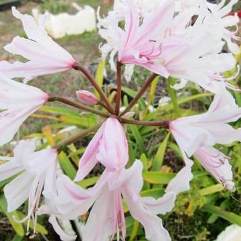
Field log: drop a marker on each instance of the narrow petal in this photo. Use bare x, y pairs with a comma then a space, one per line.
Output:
100, 226
162, 205
152, 224
217, 164
44, 55
17, 191
9, 169
154, 230
11, 120
113, 147
73, 200
181, 182
88, 160
59, 230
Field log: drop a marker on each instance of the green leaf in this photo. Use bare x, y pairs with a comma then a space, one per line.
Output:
154, 192
152, 90
59, 110
125, 100
99, 76
129, 91
184, 100
88, 182
229, 216
158, 177
17, 238
134, 231
159, 157
18, 227
38, 227
81, 121
144, 161
137, 136
66, 165
173, 95
212, 189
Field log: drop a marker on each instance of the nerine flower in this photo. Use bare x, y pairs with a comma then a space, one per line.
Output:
34, 173
108, 147
164, 42
116, 184
106, 217
219, 22
197, 135
43, 54
17, 102
60, 223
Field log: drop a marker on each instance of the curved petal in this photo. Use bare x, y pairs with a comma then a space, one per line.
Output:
17, 191
11, 120
44, 55
113, 147
73, 200
217, 164
59, 230
88, 160
9, 169
162, 205
102, 218
154, 229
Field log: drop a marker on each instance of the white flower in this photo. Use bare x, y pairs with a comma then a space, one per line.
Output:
219, 21
166, 42
231, 233
107, 214
17, 102
44, 55
196, 135
36, 173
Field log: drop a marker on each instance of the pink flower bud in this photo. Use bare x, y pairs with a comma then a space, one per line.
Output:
86, 97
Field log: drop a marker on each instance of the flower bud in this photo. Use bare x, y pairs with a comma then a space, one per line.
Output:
86, 97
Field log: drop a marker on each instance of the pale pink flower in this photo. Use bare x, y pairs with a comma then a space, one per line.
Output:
216, 18
109, 147
35, 172
164, 42
193, 6
217, 164
86, 97
17, 102
196, 135
44, 55
106, 217
59, 222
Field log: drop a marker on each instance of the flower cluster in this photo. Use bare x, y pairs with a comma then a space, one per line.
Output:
172, 38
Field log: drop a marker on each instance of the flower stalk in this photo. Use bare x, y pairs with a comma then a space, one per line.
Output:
77, 105
118, 84
86, 73
163, 124
139, 94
